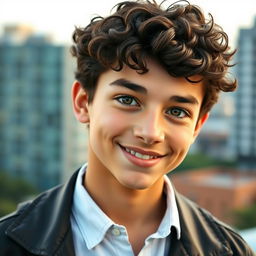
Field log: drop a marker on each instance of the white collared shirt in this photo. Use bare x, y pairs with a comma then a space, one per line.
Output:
95, 234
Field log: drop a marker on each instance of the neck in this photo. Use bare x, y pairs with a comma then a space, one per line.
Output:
132, 208
124, 205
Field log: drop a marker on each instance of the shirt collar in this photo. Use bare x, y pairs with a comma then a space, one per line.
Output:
171, 218
93, 223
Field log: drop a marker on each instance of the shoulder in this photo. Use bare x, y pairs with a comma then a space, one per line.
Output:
201, 230
8, 246
232, 238
22, 219
209, 226
39, 225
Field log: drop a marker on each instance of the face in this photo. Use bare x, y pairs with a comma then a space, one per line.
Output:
141, 126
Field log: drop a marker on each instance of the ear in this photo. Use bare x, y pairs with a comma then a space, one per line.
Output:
199, 125
80, 103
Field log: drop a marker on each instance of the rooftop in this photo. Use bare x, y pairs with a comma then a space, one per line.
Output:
226, 180
218, 177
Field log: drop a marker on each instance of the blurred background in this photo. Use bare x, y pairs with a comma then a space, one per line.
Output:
41, 144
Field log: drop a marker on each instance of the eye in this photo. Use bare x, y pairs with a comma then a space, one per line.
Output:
127, 100
177, 112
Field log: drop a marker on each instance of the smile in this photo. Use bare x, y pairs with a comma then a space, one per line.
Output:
139, 155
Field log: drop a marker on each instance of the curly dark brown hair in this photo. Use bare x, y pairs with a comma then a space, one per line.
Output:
178, 37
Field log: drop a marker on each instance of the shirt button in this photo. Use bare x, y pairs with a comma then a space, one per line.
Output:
116, 232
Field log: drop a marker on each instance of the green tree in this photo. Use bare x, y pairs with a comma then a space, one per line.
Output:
200, 160
245, 218
13, 191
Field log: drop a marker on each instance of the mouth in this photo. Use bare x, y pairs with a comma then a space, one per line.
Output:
141, 154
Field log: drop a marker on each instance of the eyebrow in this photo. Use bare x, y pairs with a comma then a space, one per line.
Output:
188, 99
139, 88
130, 85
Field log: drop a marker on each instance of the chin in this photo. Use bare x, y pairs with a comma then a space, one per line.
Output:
136, 183
136, 186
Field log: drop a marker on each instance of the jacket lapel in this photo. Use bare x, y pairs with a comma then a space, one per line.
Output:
43, 227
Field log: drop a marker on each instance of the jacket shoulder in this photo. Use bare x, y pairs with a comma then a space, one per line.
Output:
20, 208
8, 246
237, 244
221, 231
41, 226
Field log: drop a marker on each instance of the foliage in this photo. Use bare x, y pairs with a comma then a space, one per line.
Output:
199, 160
13, 191
245, 218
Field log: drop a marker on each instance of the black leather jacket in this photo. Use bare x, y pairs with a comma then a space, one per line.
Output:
42, 227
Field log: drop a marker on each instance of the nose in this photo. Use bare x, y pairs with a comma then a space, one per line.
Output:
149, 128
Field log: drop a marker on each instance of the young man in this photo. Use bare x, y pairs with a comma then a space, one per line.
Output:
147, 78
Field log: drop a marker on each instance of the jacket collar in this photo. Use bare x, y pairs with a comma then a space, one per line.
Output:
40, 234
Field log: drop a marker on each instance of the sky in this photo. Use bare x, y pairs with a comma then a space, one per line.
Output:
59, 17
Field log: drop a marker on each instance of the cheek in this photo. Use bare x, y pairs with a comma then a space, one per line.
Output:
108, 124
179, 143
115, 120
181, 139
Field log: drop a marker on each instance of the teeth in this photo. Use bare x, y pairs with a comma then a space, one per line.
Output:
139, 155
